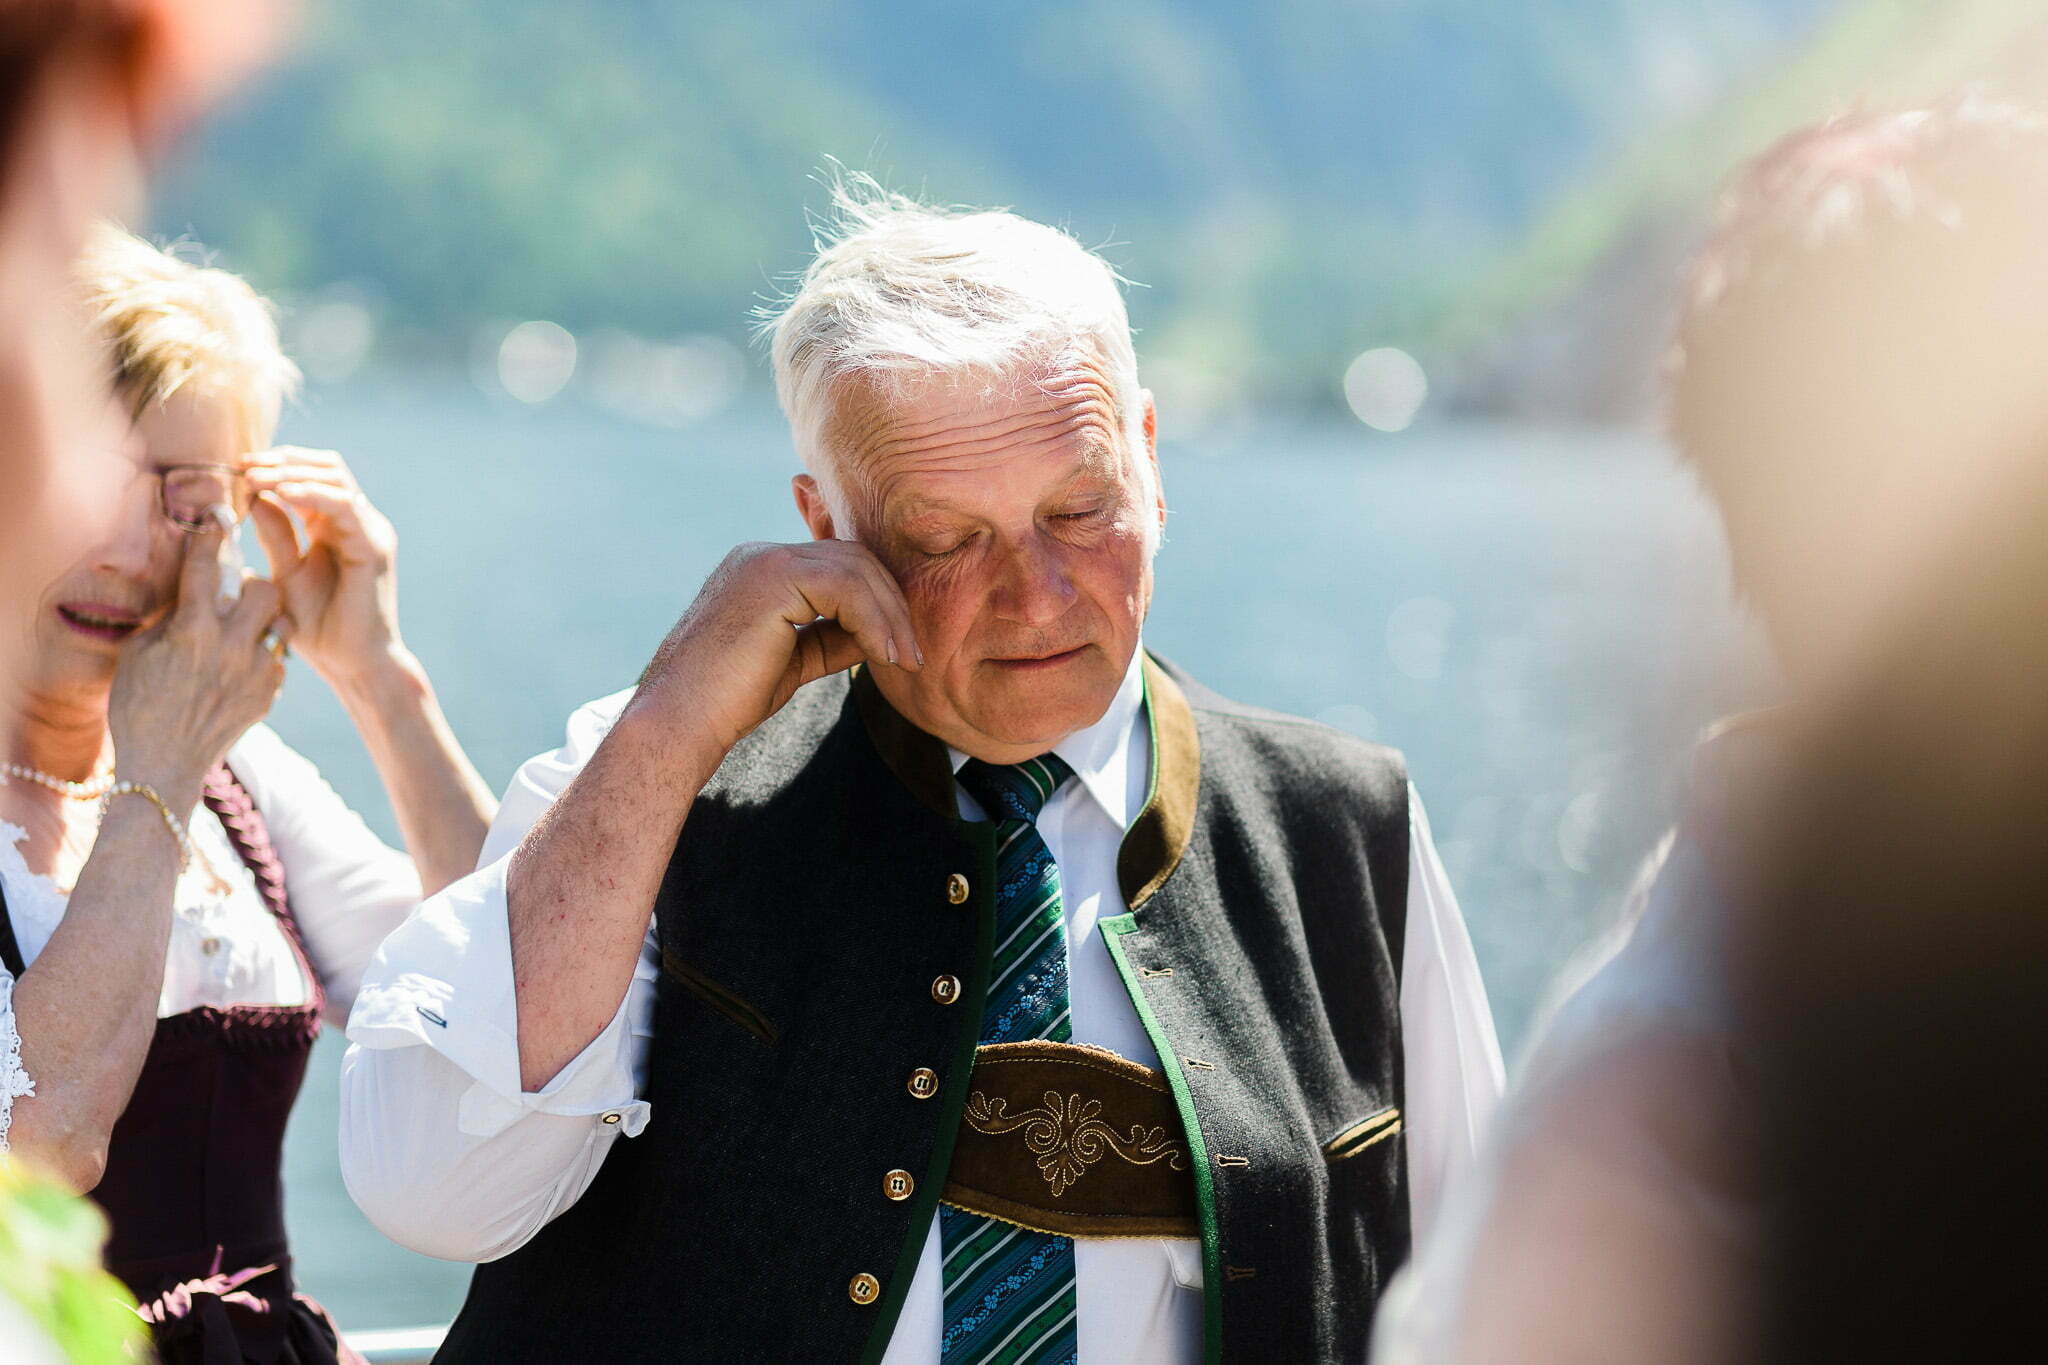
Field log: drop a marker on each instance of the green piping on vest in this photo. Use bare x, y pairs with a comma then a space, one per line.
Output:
1113, 930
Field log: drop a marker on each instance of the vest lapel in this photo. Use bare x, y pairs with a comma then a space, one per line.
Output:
918, 760
1153, 845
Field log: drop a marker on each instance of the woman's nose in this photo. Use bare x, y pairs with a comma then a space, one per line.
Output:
139, 534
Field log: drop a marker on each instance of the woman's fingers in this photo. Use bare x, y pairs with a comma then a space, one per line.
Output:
276, 534
328, 462
272, 475
253, 614
199, 575
333, 514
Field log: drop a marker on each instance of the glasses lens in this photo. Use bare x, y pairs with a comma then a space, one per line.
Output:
188, 492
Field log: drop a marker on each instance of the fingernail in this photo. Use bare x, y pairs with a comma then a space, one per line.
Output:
889, 648
919, 650
222, 516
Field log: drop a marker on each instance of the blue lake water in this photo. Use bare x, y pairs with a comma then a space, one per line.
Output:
1541, 620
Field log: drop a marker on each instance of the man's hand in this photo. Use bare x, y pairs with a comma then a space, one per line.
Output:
582, 884
770, 619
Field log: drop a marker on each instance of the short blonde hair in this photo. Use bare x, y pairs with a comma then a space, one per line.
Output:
172, 326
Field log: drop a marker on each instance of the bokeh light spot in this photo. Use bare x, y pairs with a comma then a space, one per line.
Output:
535, 361
1385, 388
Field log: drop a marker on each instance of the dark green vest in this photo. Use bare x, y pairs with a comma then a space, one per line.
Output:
806, 916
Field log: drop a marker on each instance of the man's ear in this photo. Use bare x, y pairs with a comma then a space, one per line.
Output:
1152, 454
810, 505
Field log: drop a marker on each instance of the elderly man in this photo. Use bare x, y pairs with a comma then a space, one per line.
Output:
1006, 997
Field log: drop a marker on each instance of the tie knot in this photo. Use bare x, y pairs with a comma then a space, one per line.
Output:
1014, 791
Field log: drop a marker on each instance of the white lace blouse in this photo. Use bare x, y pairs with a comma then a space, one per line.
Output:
348, 889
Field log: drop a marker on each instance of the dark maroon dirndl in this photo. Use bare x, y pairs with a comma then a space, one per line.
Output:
193, 1189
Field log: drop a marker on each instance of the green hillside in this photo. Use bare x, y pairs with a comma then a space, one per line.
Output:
1292, 183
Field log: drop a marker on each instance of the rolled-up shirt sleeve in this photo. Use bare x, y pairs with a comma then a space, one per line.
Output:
1451, 1053
441, 1147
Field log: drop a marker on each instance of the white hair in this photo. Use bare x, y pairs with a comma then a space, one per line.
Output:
903, 293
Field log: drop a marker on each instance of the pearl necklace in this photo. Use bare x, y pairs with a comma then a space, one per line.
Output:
90, 790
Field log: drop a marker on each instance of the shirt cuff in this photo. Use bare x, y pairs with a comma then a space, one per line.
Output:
444, 980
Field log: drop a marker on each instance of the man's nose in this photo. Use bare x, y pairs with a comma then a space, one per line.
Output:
1034, 588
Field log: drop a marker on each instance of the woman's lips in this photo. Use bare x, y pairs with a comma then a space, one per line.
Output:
99, 621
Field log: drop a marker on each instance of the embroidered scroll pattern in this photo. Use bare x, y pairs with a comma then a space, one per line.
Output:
1069, 1135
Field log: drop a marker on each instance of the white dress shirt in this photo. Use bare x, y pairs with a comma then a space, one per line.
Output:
348, 889
445, 1153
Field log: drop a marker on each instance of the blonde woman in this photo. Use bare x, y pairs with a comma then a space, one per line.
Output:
182, 898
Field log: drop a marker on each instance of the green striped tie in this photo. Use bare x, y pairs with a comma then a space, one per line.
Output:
1010, 1291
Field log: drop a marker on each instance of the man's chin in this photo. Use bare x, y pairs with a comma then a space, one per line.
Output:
1020, 716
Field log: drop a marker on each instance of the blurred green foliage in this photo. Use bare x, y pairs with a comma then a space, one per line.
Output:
1292, 182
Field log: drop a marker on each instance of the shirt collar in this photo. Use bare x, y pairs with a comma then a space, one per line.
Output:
1101, 755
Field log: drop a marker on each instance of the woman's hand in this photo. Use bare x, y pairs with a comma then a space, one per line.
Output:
188, 687
340, 583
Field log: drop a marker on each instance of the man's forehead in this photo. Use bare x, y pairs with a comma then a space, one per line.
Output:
909, 443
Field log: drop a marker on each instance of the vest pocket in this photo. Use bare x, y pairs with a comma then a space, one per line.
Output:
1367, 1133
719, 998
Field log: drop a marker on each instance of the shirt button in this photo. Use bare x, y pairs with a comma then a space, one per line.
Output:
864, 1288
209, 946
957, 889
946, 989
923, 1083
898, 1185
613, 1116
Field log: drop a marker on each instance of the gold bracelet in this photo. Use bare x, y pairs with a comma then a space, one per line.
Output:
171, 821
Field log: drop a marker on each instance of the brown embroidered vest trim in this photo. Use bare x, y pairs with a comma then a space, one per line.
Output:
1074, 1140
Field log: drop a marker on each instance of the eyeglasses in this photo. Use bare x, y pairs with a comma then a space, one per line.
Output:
187, 491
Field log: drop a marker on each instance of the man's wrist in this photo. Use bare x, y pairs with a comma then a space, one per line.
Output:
663, 735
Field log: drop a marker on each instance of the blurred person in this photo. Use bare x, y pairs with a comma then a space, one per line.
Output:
89, 91
1897, 962
1893, 951
1856, 360
182, 896
907, 788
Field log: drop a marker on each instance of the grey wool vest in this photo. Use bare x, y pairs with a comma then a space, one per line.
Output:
826, 925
